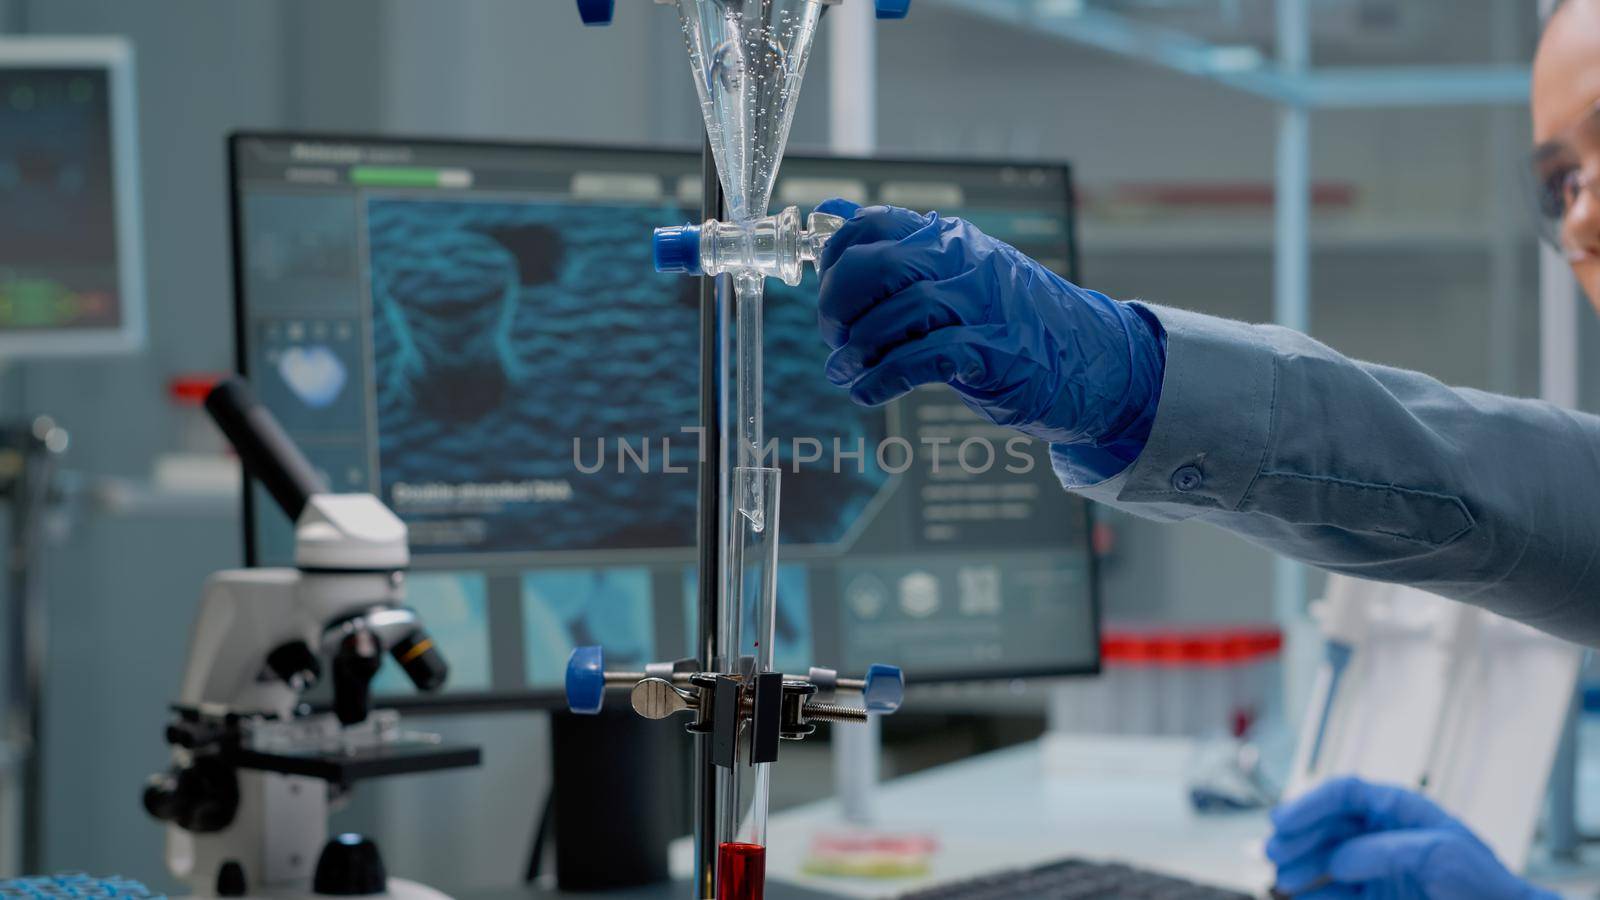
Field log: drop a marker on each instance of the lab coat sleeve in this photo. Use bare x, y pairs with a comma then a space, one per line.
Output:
1370, 471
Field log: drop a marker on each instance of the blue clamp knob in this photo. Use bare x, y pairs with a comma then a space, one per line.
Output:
885, 688
893, 9
677, 250
586, 680
598, 12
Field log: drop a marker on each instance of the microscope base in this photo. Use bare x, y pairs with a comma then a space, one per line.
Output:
401, 889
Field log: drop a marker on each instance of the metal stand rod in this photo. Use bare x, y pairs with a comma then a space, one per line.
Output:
35, 446
713, 476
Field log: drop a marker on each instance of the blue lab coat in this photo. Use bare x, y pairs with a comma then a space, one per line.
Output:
1368, 470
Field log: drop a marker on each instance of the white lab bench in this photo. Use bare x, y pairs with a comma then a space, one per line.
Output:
1108, 798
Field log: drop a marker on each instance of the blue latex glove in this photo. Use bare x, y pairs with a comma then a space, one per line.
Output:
1349, 839
909, 299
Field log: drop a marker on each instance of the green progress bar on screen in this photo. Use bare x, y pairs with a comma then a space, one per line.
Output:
410, 176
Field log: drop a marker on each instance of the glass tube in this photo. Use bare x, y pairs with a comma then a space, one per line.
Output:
748, 628
750, 289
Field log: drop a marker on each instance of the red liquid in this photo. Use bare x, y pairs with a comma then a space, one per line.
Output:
742, 871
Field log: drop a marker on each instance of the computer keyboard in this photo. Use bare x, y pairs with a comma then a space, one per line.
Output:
1074, 879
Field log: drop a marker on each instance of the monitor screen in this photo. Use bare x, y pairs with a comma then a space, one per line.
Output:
475, 333
68, 281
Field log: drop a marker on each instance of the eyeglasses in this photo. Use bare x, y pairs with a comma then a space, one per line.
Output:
1560, 171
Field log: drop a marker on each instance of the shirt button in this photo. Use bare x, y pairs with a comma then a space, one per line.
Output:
1187, 479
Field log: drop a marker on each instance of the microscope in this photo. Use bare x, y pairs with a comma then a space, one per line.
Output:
255, 768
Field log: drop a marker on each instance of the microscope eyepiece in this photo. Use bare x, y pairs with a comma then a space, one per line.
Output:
420, 658
265, 449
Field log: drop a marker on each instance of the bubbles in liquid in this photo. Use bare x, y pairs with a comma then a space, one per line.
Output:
748, 57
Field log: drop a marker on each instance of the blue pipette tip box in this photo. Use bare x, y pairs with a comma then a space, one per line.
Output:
71, 885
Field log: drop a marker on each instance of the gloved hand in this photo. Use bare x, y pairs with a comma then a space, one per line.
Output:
909, 299
1348, 839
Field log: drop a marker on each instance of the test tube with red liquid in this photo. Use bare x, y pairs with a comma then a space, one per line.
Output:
742, 871
749, 613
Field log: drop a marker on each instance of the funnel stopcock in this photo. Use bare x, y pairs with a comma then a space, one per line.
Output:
677, 250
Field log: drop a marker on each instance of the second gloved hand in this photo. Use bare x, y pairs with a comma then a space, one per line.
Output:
909, 299
1351, 839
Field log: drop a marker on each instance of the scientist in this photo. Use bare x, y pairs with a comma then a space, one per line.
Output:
1357, 468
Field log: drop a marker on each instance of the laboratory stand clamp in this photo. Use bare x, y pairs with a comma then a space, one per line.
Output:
766, 706
255, 767
744, 715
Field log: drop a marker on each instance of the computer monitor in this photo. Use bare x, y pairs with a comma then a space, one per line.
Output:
474, 332
71, 260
